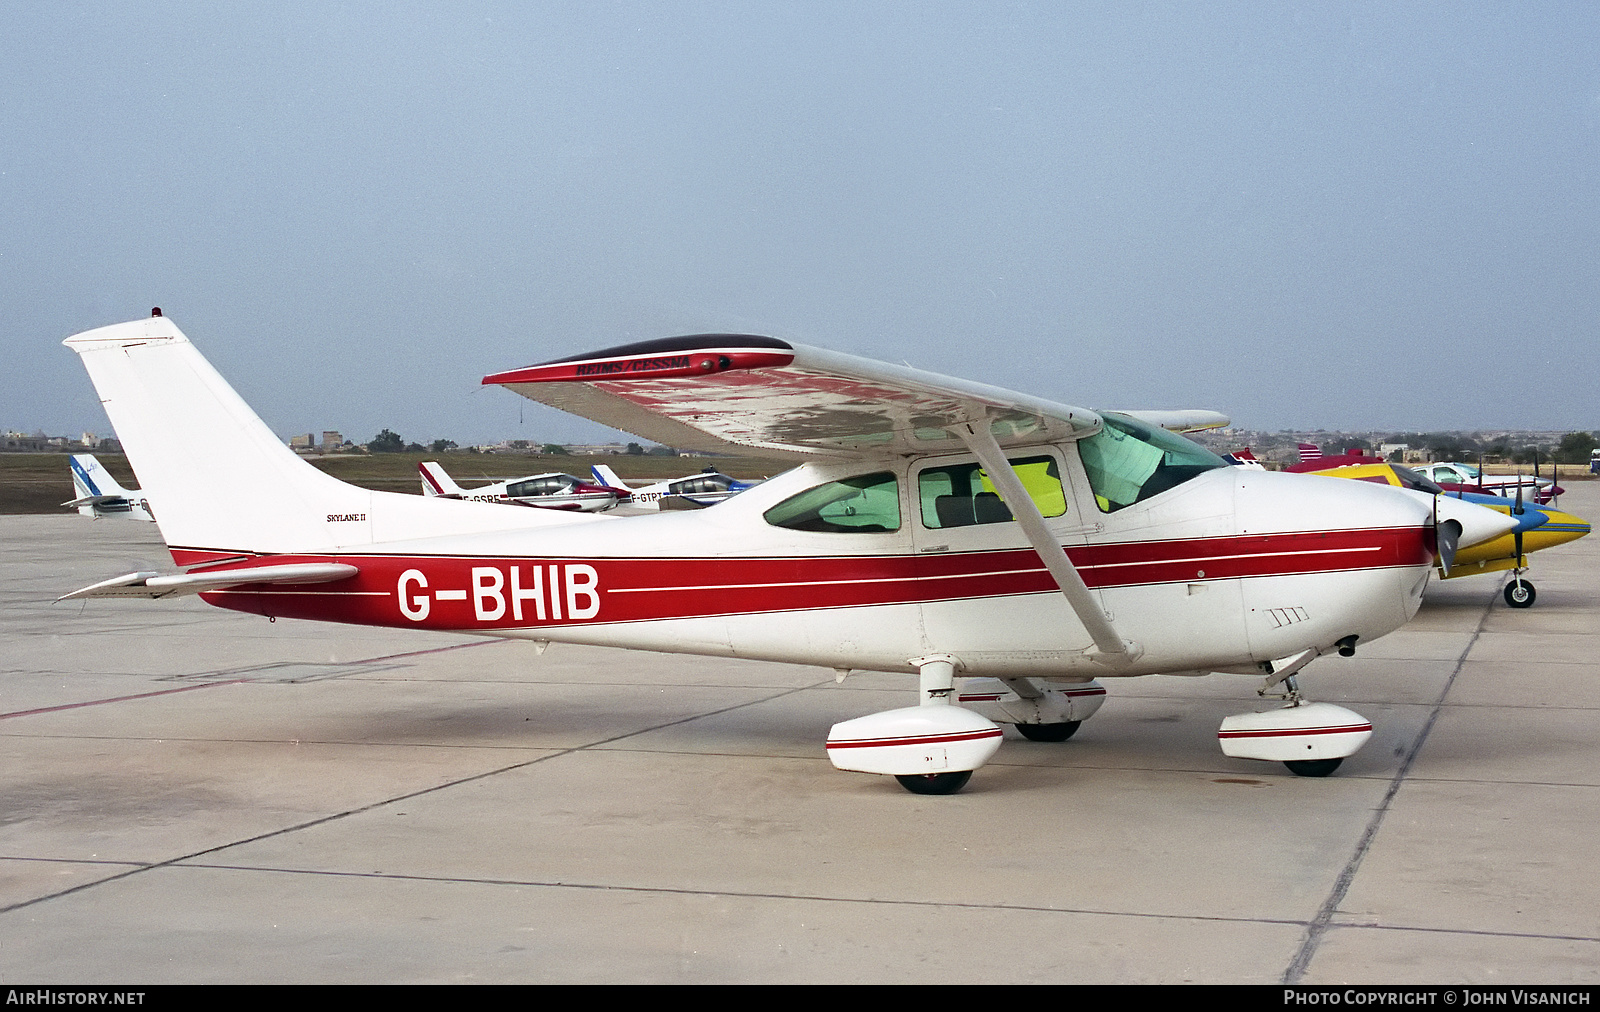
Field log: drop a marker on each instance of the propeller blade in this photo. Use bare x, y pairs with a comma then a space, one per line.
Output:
1446, 536
1518, 508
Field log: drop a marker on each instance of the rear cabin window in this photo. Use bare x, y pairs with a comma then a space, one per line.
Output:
865, 504
551, 485
961, 495
701, 484
1128, 461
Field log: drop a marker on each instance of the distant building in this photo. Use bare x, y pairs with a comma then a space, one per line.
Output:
19, 442
331, 440
596, 449
304, 442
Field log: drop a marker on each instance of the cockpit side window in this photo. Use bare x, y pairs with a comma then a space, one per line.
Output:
961, 495
865, 504
1128, 461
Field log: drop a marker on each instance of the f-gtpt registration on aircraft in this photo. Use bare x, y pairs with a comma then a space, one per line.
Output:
933, 526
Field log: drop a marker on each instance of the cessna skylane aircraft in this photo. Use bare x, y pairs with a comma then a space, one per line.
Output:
933, 526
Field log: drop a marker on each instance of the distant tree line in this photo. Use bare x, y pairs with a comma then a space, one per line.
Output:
1573, 448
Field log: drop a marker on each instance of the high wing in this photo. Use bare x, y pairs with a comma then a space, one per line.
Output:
1191, 420
738, 392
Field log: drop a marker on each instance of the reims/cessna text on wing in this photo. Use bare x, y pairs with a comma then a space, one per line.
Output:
933, 526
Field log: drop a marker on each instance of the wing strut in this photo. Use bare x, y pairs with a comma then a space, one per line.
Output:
1112, 648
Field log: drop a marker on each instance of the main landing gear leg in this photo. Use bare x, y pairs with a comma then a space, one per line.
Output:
1040, 709
931, 748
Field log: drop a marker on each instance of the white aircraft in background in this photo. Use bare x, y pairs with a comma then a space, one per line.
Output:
99, 494
550, 491
704, 489
933, 526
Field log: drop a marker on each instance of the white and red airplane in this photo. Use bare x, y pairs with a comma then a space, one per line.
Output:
551, 491
707, 488
933, 526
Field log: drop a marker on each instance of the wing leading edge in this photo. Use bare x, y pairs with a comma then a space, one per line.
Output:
738, 392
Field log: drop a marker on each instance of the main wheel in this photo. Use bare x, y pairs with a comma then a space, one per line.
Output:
1520, 594
1312, 767
1049, 732
935, 783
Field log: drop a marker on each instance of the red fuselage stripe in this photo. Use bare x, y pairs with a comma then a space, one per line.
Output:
488, 593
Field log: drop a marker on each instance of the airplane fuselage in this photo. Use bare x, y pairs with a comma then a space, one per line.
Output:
1229, 569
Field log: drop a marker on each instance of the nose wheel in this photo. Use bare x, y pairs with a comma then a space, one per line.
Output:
935, 783
1520, 593
1313, 767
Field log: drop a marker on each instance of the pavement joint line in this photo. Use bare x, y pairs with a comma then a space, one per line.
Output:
1319, 925
336, 816
120, 699
1371, 926
742, 894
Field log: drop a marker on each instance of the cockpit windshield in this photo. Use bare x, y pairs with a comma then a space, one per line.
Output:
1411, 479
1129, 461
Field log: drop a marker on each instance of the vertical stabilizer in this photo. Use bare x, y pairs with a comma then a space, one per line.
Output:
223, 481
100, 495
436, 482
607, 477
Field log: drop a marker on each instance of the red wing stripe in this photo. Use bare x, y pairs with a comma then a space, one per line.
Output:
1290, 732
934, 739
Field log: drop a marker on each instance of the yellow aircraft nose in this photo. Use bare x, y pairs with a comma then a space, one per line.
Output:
1501, 553
1558, 530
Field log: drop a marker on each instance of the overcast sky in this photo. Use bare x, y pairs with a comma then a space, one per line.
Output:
1341, 216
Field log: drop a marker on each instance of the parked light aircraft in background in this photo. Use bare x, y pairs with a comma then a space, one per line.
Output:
933, 526
1537, 527
704, 489
551, 491
99, 494
1454, 476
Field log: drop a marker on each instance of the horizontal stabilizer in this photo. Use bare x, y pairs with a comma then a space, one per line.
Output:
95, 500
153, 585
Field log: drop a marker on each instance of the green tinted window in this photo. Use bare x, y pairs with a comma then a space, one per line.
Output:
866, 504
1128, 461
961, 495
